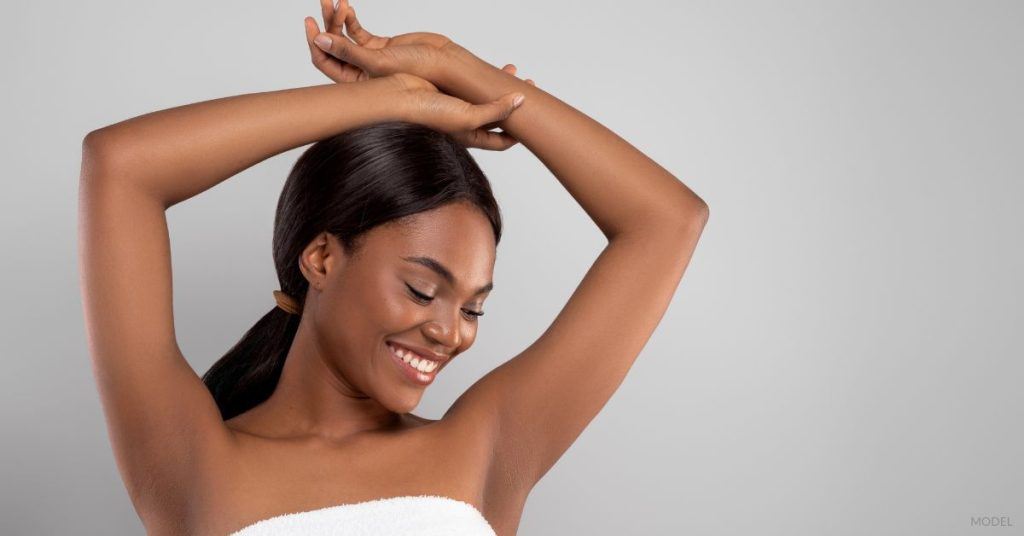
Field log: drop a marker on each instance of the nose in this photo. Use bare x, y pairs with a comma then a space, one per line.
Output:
444, 334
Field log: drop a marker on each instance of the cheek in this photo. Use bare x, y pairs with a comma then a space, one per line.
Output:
396, 312
348, 319
469, 332
366, 302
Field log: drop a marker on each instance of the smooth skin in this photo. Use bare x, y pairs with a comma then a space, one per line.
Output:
337, 429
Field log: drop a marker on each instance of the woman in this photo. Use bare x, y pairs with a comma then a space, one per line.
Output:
384, 241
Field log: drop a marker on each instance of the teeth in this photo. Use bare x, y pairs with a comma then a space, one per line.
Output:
423, 365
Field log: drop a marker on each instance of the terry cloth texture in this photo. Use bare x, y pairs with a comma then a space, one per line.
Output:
421, 515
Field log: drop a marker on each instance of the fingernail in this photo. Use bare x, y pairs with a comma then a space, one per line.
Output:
518, 100
322, 41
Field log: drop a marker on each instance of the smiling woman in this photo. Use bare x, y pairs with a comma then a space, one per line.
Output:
384, 243
365, 217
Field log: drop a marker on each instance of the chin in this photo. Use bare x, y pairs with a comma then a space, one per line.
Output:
403, 406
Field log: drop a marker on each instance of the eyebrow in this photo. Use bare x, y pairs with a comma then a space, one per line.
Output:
444, 272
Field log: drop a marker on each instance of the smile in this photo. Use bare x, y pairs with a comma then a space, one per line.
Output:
416, 368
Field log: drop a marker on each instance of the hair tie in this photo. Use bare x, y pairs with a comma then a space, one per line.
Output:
286, 302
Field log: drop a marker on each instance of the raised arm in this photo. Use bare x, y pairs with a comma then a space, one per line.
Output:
618, 186
162, 421
545, 396
535, 405
172, 155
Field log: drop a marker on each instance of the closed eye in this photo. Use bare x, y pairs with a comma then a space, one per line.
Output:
418, 294
427, 299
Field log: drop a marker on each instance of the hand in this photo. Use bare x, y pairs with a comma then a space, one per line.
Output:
467, 123
417, 53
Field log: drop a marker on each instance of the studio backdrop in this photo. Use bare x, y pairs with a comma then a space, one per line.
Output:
842, 356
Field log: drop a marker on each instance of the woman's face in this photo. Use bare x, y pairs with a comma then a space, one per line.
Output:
394, 290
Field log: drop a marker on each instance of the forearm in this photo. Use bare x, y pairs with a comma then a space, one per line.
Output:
177, 153
618, 186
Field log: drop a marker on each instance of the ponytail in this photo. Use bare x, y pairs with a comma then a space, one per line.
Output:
250, 370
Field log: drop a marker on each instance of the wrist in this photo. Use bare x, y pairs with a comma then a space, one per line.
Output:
466, 76
388, 99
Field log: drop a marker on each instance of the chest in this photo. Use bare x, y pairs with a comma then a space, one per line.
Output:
262, 479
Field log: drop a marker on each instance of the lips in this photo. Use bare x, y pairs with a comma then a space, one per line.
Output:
413, 375
420, 351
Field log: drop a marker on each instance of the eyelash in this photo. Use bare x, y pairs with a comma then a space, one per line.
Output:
427, 299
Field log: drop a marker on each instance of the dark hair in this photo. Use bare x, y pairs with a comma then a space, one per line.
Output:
345, 185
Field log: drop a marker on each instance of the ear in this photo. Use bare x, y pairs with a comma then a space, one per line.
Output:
320, 258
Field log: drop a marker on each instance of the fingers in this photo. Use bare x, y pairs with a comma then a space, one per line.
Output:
338, 17
324, 62
327, 13
498, 110
321, 59
354, 29
511, 69
342, 48
484, 139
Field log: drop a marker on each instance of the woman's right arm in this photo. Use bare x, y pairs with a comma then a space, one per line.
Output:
163, 424
177, 153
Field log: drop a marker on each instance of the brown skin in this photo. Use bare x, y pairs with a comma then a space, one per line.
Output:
345, 19
315, 442
338, 378
344, 24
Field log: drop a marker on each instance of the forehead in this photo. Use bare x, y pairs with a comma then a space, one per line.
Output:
457, 234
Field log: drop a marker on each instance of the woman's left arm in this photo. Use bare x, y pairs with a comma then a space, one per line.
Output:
538, 402
530, 409
618, 186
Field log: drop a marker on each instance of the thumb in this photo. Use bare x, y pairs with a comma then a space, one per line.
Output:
497, 110
344, 49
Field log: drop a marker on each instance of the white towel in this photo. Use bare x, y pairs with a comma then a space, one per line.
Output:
421, 515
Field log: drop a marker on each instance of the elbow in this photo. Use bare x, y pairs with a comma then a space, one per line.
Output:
691, 212
687, 207
681, 219
95, 151
109, 158
696, 217
701, 212
99, 151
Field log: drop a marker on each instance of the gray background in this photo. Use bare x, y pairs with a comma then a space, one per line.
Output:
838, 358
